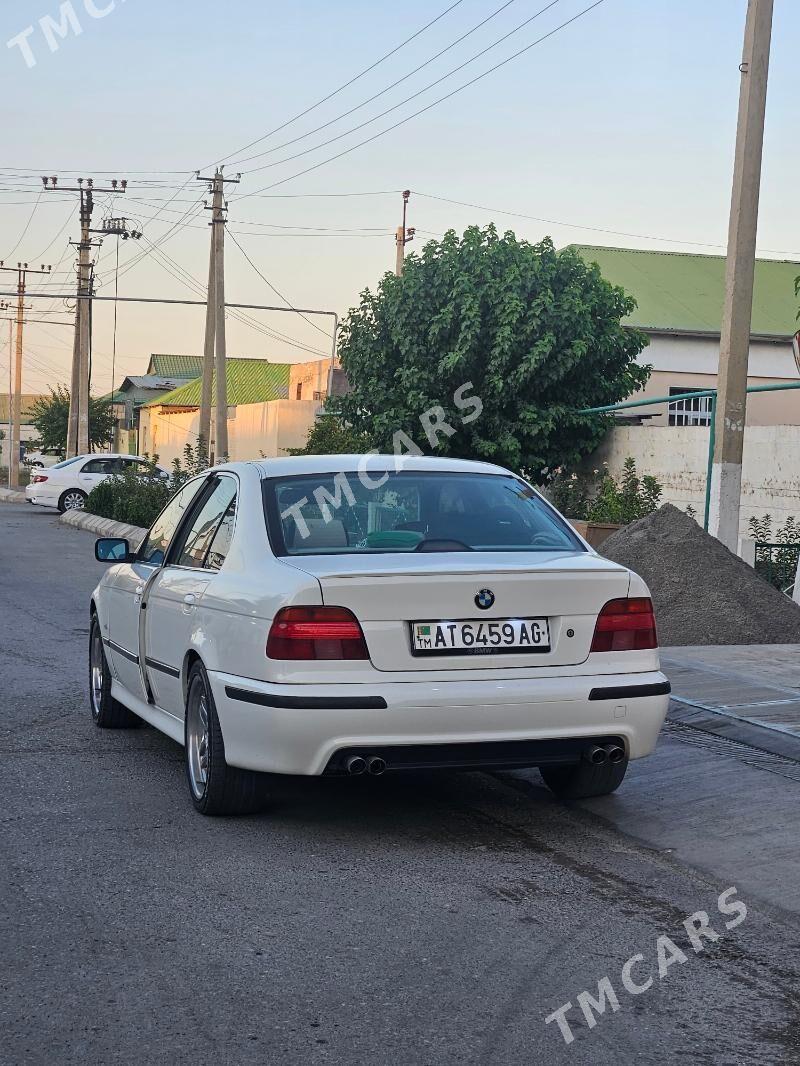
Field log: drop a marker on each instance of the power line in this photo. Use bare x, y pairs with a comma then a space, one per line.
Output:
27, 226
382, 92
341, 88
53, 241
269, 284
577, 225
408, 99
434, 103
194, 284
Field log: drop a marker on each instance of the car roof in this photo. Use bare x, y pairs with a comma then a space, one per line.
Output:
289, 465
111, 455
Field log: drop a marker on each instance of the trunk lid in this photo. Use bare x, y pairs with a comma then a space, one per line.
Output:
387, 593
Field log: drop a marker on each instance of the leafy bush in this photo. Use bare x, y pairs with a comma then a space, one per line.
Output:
329, 435
761, 529
137, 496
778, 562
628, 499
598, 497
534, 333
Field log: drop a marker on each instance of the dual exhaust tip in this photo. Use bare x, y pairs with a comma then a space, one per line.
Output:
597, 755
370, 764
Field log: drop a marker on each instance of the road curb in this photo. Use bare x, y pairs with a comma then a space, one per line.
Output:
103, 527
11, 496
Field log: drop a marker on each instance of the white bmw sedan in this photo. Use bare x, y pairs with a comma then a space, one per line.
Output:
333, 615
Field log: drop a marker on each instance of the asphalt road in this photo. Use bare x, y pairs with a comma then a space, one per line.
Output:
428, 920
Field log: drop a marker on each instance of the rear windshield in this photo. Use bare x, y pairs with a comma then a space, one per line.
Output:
67, 462
344, 514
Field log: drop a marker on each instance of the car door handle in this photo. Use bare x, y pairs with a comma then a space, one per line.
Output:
190, 599
137, 597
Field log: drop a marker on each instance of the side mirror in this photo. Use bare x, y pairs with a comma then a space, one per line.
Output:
112, 550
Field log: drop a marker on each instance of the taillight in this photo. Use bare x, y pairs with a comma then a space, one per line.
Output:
37, 478
625, 625
316, 633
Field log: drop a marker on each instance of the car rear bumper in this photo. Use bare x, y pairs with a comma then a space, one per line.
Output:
306, 729
39, 495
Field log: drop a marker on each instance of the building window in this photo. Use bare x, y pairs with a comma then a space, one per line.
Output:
299, 393
693, 411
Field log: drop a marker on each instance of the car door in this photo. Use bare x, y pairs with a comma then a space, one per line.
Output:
127, 593
95, 470
173, 620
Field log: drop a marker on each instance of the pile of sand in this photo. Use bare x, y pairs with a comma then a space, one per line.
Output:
703, 594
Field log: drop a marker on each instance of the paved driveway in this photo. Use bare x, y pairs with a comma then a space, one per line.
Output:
432, 920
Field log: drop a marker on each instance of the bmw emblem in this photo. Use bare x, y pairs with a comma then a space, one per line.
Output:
484, 599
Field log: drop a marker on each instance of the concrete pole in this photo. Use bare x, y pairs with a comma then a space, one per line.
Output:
74, 389
402, 237
401, 251
204, 428
10, 392
726, 472
84, 287
218, 228
16, 413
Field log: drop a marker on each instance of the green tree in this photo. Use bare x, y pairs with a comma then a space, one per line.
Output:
329, 435
51, 417
536, 331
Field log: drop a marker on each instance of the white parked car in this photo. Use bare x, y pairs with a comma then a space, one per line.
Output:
40, 459
67, 484
333, 615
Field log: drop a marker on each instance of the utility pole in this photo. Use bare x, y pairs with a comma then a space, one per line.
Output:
116, 227
214, 346
78, 425
4, 306
15, 414
734, 348
403, 236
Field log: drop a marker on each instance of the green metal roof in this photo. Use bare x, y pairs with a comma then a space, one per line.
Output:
176, 366
683, 291
249, 381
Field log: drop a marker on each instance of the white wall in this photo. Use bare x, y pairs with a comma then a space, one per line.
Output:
254, 429
677, 456
700, 355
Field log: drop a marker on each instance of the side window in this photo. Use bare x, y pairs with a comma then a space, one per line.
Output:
100, 466
218, 552
203, 528
155, 544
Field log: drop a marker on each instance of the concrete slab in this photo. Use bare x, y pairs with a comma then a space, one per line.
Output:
749, 693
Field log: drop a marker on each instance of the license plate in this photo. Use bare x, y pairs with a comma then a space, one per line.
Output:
473, 637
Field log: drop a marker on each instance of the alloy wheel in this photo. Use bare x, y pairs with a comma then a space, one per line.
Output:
197, 740
73, 501
96, 671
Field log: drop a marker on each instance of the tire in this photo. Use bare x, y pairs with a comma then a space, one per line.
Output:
215, 787
71, 500
584, 780
107, 713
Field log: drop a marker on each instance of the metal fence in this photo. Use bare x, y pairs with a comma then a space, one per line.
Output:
777, 563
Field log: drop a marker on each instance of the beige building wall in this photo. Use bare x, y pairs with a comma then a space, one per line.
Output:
692, 362
309, 381
255, 430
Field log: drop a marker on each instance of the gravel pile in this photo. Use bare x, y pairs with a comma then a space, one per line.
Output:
703, 594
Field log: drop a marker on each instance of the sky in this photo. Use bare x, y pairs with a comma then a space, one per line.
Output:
616, 129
